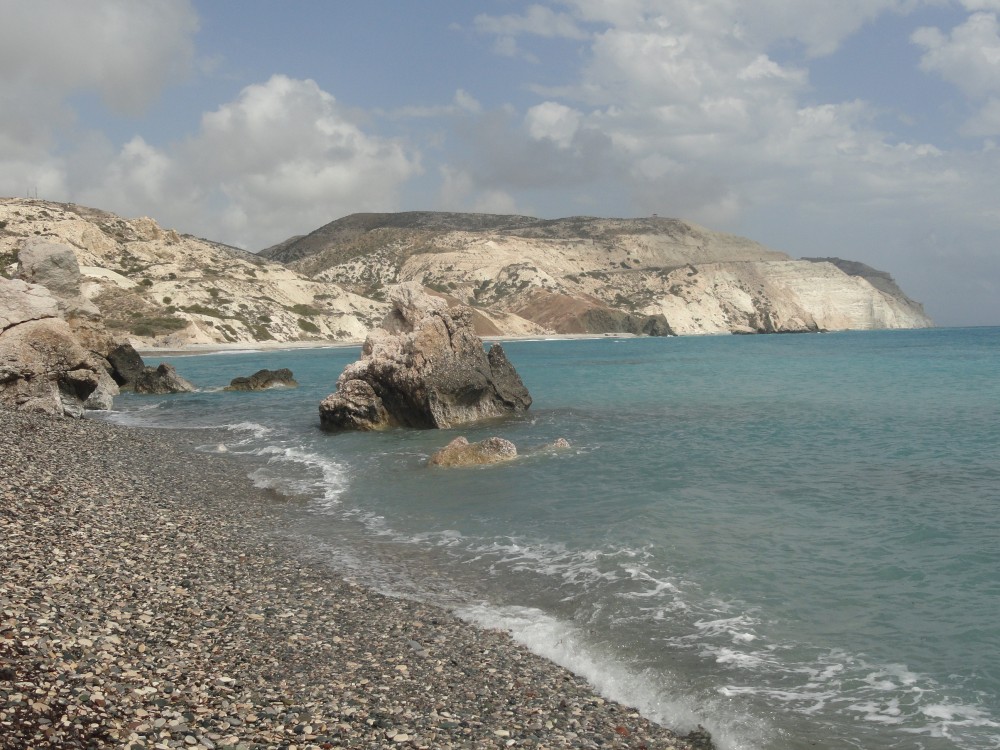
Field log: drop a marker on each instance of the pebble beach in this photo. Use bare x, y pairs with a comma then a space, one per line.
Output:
149, 599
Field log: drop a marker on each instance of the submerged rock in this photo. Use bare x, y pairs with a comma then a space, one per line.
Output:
262, 380
460, 452
425, 367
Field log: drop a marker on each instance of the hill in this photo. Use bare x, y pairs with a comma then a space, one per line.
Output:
162, 288
521, 275
587, 274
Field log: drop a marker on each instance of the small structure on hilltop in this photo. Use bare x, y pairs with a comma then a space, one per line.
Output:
424, 367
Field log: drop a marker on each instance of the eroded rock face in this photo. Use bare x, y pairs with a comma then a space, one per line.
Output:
21, 302
44, 369
425, 367
460, 452
262, 380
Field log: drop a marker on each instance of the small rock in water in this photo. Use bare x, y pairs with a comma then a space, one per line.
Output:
460, 452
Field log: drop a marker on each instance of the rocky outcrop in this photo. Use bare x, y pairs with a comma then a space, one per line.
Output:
262, 380
54, 265
21, 302
425, 367
132, 374
160, 288
43, 368
460, 452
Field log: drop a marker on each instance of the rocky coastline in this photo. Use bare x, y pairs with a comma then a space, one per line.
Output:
149, 600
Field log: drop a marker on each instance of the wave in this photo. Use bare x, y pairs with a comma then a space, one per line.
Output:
295, 471
657, 695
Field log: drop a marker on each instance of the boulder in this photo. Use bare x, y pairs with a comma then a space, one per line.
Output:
355, 404
161, 380
131, 373
43, 368
54, 265
425, 367
262, 380
460, 452
21, 302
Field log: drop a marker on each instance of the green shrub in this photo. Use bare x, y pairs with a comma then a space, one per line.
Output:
301, 309
308, 326
154, 326
204, 310
261, 333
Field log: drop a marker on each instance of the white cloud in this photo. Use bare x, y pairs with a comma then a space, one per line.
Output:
280, 159
124, 50
986, 122
818, 25
969, 56
462, 103
554, 121
538, 20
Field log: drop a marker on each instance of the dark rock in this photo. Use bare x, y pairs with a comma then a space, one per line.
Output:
607, 320
263, 379
355, 404
131, 373
425, 367
164, 379
126, 364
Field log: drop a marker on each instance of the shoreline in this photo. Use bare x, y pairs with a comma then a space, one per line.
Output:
265, 346
150, 600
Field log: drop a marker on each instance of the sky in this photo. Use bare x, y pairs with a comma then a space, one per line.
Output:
864, 129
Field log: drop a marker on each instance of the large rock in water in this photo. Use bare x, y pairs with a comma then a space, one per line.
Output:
425, 367
131, 373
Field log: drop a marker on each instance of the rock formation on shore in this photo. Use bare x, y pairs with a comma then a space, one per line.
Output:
425, 367
133, 374
43, 367
56, 355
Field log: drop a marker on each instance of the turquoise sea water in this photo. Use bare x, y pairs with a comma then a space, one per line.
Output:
793, 540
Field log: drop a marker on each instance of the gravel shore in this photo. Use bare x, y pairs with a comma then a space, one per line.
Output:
146, 602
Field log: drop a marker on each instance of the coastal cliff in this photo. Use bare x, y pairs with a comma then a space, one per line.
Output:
520, 276
590, 275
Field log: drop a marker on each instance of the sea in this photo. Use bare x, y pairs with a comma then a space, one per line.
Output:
792, 540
